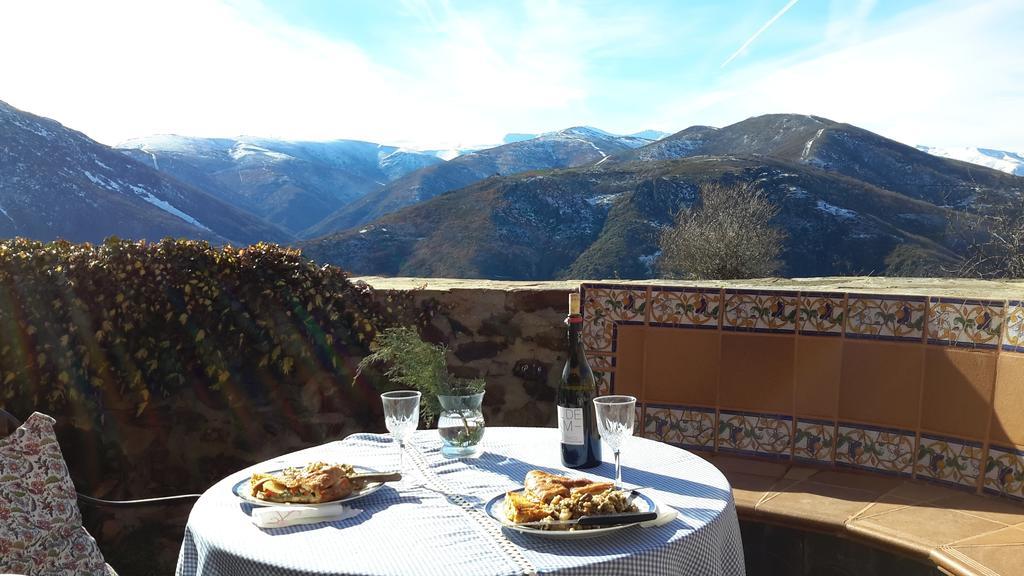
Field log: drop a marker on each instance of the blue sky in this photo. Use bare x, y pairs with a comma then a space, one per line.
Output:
440, 74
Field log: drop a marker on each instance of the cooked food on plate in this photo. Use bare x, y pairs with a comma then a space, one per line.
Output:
313, 484
549, 498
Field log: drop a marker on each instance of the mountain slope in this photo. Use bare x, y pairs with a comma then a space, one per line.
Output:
570, 147
836, 147
1009, 162
56, 182
291, 184
603, 222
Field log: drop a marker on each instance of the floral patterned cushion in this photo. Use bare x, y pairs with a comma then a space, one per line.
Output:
40, 526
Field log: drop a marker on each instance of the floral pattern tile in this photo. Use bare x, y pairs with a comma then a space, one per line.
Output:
949, 460
814, 440
886, 317
760, 311
878, 449
761, 434
605, 382
604, 306
972, 323
689, 427
690, 307
1004, 472
1013, 339
822, 313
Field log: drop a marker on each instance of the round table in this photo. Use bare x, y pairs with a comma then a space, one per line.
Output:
432, 522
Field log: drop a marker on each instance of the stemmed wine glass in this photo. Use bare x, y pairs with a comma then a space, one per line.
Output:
401, 416
615, 417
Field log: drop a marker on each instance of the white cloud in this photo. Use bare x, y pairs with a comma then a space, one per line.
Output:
948, 74
122, 68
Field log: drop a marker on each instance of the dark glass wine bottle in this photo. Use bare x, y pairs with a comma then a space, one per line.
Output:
577, 420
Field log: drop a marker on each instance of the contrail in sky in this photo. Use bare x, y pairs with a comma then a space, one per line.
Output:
767, 24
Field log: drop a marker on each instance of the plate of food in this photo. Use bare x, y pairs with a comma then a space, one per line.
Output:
555, 506
314, 485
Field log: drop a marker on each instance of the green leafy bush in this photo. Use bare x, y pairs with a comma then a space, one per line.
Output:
116, 324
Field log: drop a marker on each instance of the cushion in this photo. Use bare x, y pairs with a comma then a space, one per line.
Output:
40, 525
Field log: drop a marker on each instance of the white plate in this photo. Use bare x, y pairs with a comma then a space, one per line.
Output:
241, 490
495, 509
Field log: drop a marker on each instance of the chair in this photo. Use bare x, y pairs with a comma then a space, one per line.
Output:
9, 423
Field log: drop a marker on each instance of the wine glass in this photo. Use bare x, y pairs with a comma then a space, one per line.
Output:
615, 417
401, 416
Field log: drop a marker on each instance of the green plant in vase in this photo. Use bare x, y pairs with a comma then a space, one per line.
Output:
454, 402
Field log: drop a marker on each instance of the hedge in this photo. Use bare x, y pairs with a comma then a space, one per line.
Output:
120, 322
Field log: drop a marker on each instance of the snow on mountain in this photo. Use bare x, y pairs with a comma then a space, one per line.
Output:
290, 183
652, 135
1009, 162
57, 183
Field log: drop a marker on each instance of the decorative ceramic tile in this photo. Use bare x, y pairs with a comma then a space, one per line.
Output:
822, 313
878, 449
949, 460
1013, 339
606, 305
885, 317
971, 323
690, 307
1004, 472
760, 311
605, 382
814, 440
760, 434
684, 426
601, 362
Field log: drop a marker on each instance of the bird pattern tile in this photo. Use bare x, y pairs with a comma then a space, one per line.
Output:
689, 427
814, 440
822, 313
876, 449
898, 318
972, 323
760, 311
949, 460
694, 308
1004, 472
761, 434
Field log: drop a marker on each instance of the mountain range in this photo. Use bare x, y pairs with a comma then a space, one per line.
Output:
290, 184
58, 183
847, 198
579, 202
570, 147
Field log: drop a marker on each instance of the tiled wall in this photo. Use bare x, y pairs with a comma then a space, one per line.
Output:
914, 386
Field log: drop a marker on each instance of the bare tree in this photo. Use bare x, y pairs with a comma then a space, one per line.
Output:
727, 236
996, 243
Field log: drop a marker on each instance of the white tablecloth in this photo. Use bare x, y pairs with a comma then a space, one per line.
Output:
432, 522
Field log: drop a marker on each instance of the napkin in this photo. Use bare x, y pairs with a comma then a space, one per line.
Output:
280, 517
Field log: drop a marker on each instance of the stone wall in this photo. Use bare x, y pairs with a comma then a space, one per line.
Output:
510, 333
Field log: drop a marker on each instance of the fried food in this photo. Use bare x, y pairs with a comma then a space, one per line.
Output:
548, 498
313, 484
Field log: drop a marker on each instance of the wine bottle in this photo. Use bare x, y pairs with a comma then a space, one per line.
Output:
577, 420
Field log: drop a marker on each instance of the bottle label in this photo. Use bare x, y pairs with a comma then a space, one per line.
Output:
570, 422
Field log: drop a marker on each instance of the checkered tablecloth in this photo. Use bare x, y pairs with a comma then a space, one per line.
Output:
433, 523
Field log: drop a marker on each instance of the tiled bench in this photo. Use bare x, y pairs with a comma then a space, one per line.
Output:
962, 534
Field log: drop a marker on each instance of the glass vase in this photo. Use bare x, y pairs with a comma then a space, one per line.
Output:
461, 424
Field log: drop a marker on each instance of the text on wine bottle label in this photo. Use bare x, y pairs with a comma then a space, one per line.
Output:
570, 422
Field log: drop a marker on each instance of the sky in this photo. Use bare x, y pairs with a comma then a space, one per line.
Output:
441, 74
